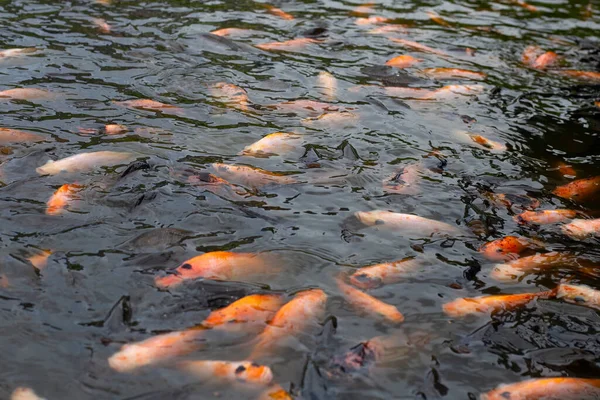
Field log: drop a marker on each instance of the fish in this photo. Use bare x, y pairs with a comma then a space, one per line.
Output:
377, 275
580, 190
275, 392
114, 129
534, 57
16, 52
418, 46
405, 181
385, 29
517, 268
526, 6
27, 94
486, 304
288, 45
579, 294
544, 217
231, 32
585, 75
8, 135
102, 25
369, 305
310, 107
147, 104
250, 176
452, 73
279, 13
63, 196
231, 95
24, 393
255, 309
40, 260
437, 19
581, 229
339, 119
372, 20
277, 143
85, 162
157, 239
559, 388
487, 143
442, 93
509, 200
231, 371
217, 265
566, 170
328, 85
363, 9
403, 61
506, 248
303, 312
407, 223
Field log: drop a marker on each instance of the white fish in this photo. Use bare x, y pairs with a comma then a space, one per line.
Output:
406, 223
84, 162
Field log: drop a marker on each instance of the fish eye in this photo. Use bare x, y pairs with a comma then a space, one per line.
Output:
186, 266
506, 395
579, 299
379, 222
240, 369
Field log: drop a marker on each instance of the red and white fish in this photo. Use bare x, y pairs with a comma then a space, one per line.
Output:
228, 371
581, 229
559, 388
369, 305
487, 304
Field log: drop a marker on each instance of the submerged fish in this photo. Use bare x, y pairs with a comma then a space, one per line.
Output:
40, 260
580, 190
442, 93
231, 371
288, 45
517, 268
85, 162
566, 170
452, 73
372, 20
487, 143
547, 389
405, 181
328, 85
102, 25
487, 304
218, 265
410, 224
275, 392
253, 309
8, 135
310, 107
506, 248
544, 217
230, 94
382, 30
382, 274
586, 75
231, 32
277, 143
24, 393
418, 46
369, 305
534, 57
579, 294
114, 129
279, 13
580, 229
403, 61
157, 239
250, 176
16, 52
303, 312
61, 198
437, 19
27, 94
330, 120
146, 104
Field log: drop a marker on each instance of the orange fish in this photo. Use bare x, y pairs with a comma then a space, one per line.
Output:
230, 94
546, 60
579, 190
403, 61
487, 304
61, 198
232, 371
277, 143
587, 75
24, 393
250, 176
275, 392
252, 310
369, 305
114, 129
27, 94
279, 13
382, 30
8, 135
544, 217
487, 143
517, 268
372, 20
101, 25
328, 85
547, 389
218, 265
437, 19
566, 170
405, 181
452, 73
231, 32
418, 46
526, 6
40, 260
146, 104
304, 311
288, 45
581, 229
506, 248
381, 274
579, 294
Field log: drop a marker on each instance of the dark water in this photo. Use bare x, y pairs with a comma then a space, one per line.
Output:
61, 323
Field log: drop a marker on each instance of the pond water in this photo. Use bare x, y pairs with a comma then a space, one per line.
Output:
77, 283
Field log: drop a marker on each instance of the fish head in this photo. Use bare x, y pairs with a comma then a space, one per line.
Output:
505, 272
577, 229
47, 169
364, 280
254, 373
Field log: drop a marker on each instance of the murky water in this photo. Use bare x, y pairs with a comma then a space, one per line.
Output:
96, 291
